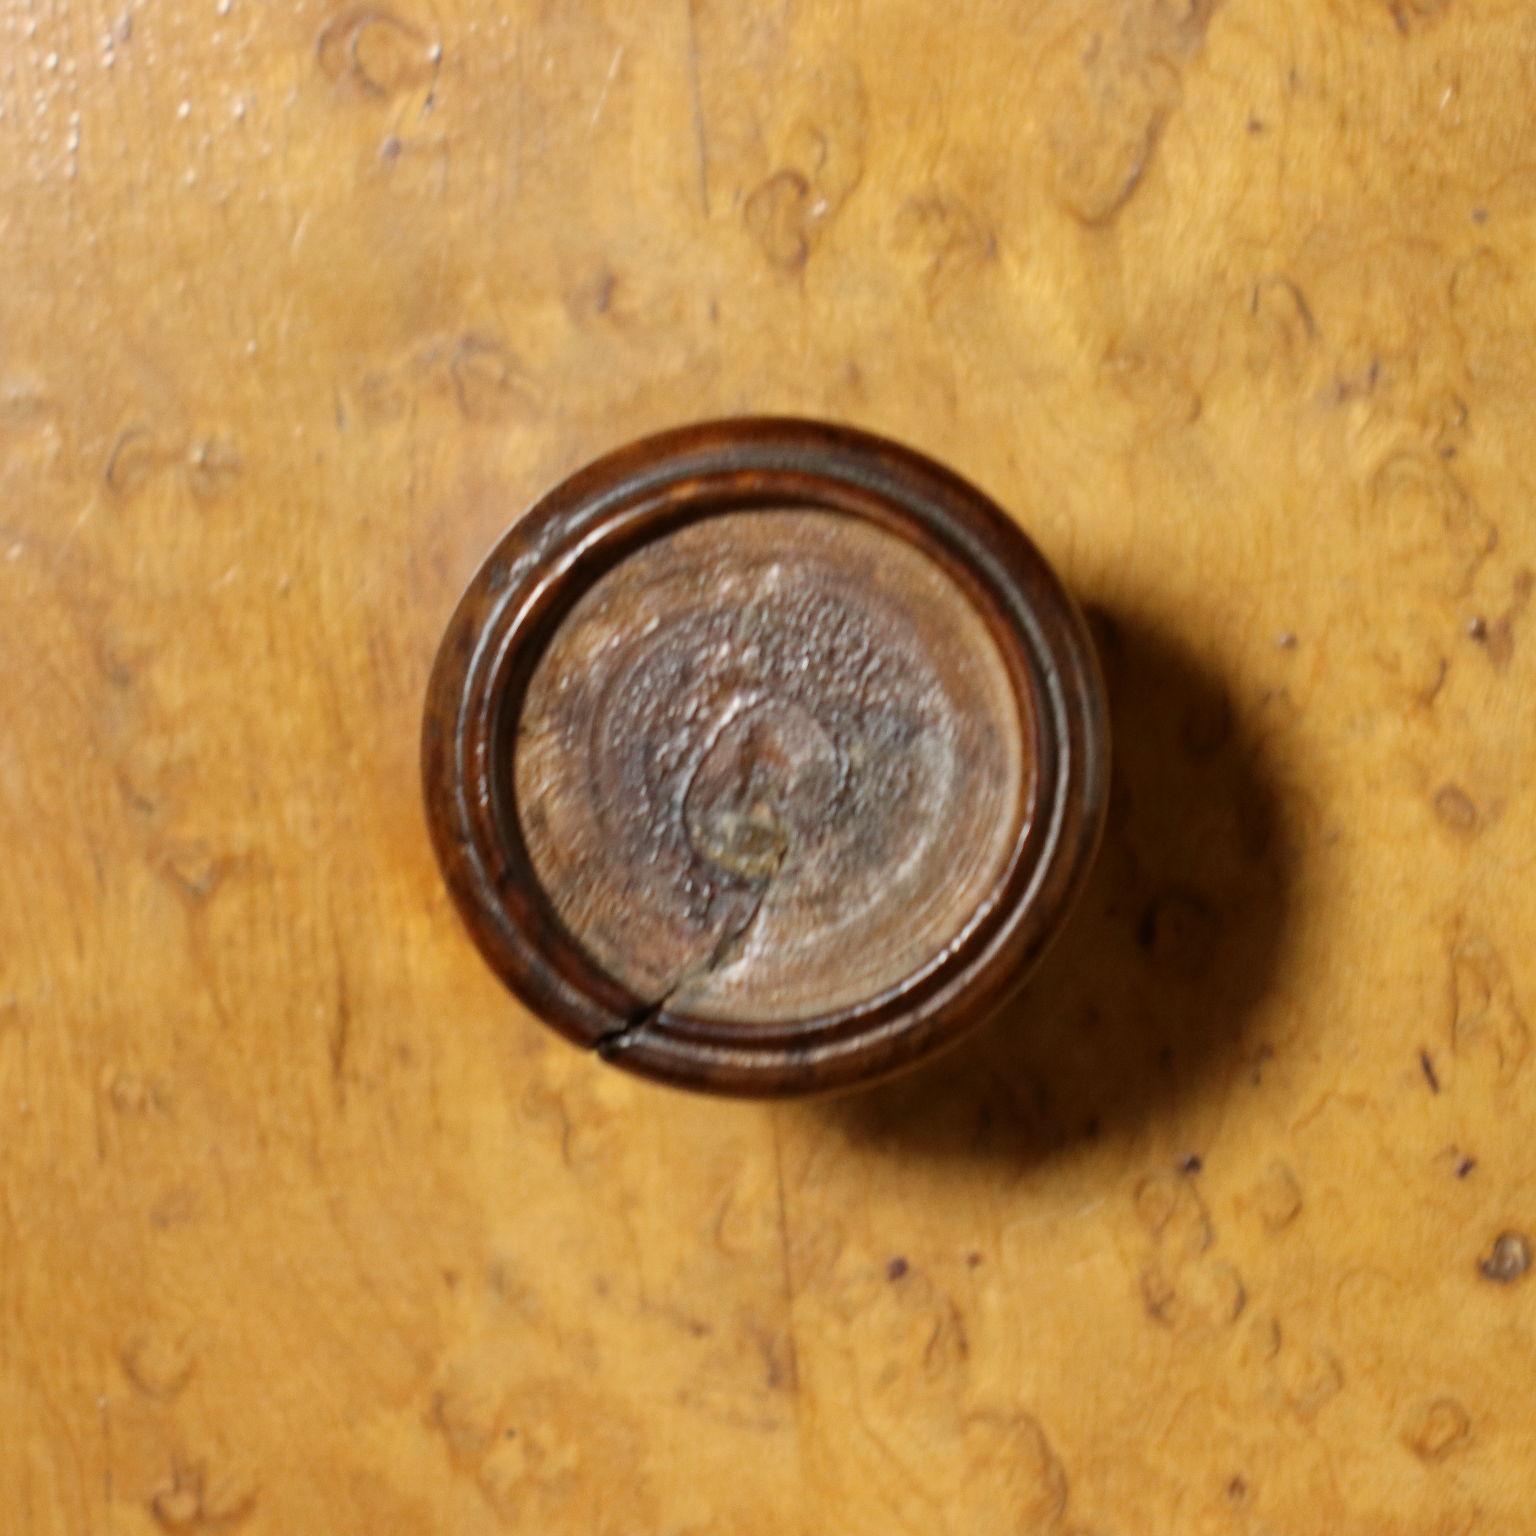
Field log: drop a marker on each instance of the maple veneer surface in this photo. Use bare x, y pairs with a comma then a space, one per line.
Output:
307, 1228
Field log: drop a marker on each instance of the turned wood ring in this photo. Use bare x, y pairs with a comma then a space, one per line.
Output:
764, 757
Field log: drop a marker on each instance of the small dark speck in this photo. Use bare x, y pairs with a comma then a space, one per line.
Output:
1427, 1062
1286, 640
390, 148
1165, 1058
973, 1260
1479, 215
1477, 627
509, 1434
1456, 810
1508, 1259
1091, 1128
1191, 1164
1465, 1166
1237, 1490
1255, 125
896, 1268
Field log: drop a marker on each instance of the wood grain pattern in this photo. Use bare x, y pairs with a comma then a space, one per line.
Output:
303, 1227
771, 764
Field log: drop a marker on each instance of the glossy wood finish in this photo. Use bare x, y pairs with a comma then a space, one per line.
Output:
308, 1229
861, 660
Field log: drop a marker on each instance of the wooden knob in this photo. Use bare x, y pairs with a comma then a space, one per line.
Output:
764, 756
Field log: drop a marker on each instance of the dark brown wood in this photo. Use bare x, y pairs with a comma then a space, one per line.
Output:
764, 757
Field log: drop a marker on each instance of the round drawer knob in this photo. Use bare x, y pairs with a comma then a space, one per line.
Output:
763, 757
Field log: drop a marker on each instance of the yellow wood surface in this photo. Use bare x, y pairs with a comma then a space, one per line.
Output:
306, 1229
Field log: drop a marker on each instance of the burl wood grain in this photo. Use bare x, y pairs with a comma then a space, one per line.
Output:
304, 1227
771, 765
